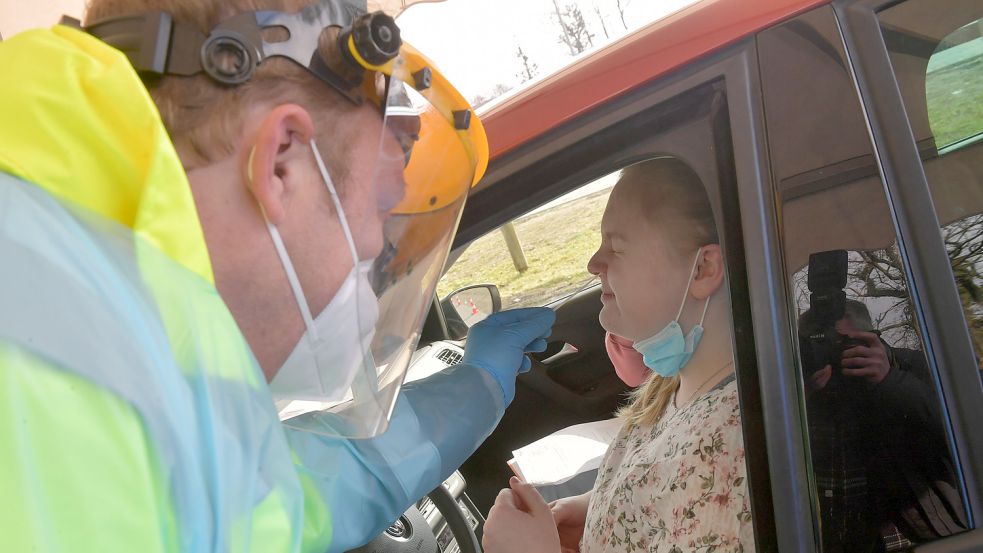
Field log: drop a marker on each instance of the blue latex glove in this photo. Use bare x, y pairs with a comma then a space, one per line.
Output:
499, 343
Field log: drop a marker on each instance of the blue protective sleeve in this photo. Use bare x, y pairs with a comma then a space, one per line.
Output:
437, 424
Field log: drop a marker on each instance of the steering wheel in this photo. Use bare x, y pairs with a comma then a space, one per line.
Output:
412, 533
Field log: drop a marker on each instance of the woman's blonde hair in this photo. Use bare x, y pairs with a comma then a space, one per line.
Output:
204, 118
673, 199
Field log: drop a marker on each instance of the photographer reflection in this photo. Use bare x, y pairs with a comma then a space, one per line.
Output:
879, 449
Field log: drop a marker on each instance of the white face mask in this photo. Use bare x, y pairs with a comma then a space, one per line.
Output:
334, 348
349, 319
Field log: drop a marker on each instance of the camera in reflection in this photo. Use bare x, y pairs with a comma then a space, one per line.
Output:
819, 342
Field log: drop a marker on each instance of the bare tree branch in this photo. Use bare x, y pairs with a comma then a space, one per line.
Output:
621, 11
573, 27
529, 69
600, 18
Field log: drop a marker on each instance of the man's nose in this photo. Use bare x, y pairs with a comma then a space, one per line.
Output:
391, 192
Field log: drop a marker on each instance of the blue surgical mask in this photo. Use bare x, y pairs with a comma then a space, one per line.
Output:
668, 351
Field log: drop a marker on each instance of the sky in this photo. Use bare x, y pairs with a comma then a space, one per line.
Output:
18, 15
474, 42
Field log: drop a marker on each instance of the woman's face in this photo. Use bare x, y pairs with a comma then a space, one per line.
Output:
642, 278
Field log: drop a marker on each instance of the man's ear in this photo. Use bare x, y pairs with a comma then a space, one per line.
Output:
709, 272
283, 131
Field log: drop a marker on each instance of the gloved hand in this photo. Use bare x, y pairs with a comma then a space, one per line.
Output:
499, 343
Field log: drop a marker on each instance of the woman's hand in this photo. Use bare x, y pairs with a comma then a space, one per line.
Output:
520, 521
570, 515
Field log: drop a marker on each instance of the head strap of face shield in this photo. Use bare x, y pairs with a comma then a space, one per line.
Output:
156, 45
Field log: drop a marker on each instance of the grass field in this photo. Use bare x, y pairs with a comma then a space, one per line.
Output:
557, 243
955, 101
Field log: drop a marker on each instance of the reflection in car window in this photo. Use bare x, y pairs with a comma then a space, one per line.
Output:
881, 459
548, 259
941, 82
954, 86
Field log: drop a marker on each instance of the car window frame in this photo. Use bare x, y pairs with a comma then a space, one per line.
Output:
775, 450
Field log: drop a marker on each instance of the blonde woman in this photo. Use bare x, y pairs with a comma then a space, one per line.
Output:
674, 479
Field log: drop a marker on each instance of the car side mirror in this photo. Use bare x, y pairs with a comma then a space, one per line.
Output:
466, 307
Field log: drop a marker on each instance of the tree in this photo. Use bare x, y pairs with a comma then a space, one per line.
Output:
499, 89
600, 18
573, 27
878, 278
964, 244
495, 92
875, 278
621, 11
529, 69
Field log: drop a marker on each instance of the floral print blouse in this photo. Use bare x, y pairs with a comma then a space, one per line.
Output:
679, 486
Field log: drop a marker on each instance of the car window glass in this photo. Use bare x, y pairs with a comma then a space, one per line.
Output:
937, 57
881, 460
539, 257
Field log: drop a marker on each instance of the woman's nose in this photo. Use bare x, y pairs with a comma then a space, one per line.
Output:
595, 265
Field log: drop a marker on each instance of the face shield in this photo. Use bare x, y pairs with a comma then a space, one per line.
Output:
344, 376
427, 161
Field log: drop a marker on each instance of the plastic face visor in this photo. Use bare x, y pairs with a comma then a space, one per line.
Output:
423, 203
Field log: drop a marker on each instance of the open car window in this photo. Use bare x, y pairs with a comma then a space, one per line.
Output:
539, 257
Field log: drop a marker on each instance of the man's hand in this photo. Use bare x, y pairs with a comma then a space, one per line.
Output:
818, 380
499, 344
570, 516
868, 361
520, 522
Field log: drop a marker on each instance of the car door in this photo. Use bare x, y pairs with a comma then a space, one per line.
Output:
815, 135
538, 258
684, 116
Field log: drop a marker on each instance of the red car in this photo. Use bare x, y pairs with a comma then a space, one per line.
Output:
849, 131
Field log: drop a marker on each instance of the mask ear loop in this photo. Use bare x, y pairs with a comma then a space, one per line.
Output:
326, 177
689, 283
706, 307
370, 387
288, 266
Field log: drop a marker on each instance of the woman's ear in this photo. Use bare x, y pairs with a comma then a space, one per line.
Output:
709, 272
276, 149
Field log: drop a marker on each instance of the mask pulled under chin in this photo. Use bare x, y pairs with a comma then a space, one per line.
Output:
668, 351
325, 362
